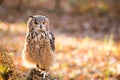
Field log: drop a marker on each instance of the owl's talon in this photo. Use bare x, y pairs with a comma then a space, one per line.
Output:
44, 73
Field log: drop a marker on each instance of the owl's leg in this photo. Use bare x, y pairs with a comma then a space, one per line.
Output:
43, 72
37, 66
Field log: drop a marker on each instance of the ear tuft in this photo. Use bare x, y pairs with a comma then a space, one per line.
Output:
46, 16
31, 16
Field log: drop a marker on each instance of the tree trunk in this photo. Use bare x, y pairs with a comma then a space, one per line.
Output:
57, 5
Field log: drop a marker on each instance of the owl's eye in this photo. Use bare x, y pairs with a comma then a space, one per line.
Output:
35, 22
44, 22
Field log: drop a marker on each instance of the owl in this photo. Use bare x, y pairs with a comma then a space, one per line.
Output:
39, 44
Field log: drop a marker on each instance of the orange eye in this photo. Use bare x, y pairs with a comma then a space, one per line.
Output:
44, 22
35, 22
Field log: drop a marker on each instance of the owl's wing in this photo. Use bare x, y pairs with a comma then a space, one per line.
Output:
52, 41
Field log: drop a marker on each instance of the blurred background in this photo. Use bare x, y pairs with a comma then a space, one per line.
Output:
87, 35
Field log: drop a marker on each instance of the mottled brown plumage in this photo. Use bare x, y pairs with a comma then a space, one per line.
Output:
39, 43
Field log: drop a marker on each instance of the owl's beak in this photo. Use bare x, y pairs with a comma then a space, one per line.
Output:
40, 26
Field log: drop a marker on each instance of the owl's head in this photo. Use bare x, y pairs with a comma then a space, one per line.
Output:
38, 23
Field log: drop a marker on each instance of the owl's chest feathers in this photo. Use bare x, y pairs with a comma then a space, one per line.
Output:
37, 42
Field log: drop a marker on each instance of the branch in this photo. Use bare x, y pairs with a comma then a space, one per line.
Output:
37, 75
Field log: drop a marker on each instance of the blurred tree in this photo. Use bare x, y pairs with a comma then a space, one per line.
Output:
57, 6
13, 4
114, 6
79, 6
1, 1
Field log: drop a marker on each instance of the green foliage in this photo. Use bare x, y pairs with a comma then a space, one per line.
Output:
3, 69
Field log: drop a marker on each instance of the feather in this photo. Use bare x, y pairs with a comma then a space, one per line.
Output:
52, 41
